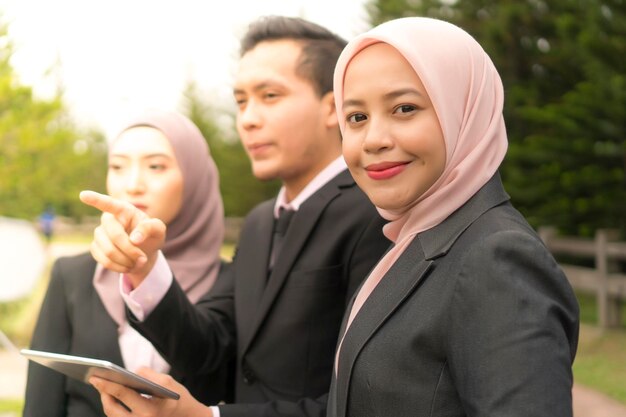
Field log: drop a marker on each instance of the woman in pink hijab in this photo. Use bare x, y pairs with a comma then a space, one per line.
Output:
468, 314
160, 162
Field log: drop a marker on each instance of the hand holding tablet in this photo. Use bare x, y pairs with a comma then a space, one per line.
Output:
83, 368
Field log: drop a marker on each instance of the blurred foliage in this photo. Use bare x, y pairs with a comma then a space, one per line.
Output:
564, 72
44, 159
240, 189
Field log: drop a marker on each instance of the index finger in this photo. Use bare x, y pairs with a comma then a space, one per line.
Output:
123, 211
103, 202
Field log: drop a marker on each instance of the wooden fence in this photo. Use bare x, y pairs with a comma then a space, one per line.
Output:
604, 279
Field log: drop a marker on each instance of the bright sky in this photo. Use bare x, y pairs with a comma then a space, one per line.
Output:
115, 56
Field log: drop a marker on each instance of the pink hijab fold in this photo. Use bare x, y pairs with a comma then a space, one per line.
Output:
194, 237
467, 94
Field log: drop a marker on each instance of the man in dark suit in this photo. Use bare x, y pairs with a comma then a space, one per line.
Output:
277, 312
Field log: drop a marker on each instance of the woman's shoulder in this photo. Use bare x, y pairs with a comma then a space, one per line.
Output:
502, 235
75, 265
501, 221
84, 259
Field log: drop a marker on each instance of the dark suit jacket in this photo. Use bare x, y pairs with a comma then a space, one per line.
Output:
474, 319
73, 321
283, 328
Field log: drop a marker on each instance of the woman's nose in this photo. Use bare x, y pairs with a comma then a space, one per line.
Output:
378, 137
135, 182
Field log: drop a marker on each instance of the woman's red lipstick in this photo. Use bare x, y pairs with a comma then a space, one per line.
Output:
385, 170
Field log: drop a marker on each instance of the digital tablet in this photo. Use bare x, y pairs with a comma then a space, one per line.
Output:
83, 368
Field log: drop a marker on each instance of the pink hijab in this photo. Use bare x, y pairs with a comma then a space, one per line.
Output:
467, 94
194, 236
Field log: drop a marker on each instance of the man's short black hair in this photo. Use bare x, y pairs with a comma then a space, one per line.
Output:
320, 47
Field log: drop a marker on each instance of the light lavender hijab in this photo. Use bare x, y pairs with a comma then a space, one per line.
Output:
194, 236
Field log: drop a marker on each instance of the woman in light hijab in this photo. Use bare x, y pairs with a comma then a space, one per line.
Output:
468, 314
160, 162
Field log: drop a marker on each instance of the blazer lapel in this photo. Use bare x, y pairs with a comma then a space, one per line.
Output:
301, 226
107, 340
254, 269
400, 281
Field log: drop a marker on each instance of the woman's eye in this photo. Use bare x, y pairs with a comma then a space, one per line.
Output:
157, 167
405, 108
356, 118
241, 101
114, 167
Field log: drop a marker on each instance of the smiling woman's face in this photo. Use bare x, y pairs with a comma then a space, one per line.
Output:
392, 141
143, 170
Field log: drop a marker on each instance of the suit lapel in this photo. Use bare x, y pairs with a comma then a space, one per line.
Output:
301, 227
254, 269
107, 336
400, 281
258, 261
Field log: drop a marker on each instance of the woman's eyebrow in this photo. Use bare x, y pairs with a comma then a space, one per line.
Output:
387, 96
150, 155
401, 92
351, 102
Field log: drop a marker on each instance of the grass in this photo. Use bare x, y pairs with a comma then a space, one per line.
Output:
228, 249
17, 318
72, 238
601, 357
11, 406
601, 361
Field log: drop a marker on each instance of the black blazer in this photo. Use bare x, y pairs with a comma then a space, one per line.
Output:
73, 321
283, 328
474, 319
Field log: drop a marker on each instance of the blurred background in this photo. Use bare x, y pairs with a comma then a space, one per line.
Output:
71, 70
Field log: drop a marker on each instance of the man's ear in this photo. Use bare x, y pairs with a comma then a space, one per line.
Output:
328, 103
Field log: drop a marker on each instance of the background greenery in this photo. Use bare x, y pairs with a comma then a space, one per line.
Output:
44, 158
562, 64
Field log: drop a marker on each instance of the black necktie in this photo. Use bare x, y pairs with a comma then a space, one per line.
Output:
280, 228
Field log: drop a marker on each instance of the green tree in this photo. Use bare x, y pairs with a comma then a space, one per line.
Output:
562, 64
240, 189
44, 159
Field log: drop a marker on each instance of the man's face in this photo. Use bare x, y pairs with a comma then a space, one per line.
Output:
282, 122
